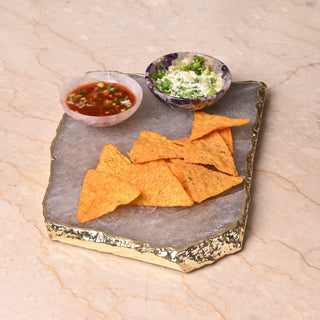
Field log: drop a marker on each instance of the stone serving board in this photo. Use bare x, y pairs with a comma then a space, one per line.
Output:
179, 238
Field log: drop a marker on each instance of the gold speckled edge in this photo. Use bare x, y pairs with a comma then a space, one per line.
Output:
186, 259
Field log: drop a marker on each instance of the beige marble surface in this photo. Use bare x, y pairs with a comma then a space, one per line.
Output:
277, 274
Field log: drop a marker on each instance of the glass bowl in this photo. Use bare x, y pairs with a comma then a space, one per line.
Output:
96, 76
194, 104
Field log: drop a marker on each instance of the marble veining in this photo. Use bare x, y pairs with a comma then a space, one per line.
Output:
276, 275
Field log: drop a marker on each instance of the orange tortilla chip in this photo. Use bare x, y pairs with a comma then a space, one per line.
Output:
158, 185
112, 161
153, 146
226, 134
211, 149
181, 141
102, 193
200, 182
204, 123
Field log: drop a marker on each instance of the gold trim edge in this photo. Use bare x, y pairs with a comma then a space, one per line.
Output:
193, 256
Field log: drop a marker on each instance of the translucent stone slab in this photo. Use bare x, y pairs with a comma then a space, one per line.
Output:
180, 238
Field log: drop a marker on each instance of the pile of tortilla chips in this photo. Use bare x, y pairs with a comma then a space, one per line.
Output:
163, 172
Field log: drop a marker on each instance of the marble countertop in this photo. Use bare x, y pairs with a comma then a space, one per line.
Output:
277, 274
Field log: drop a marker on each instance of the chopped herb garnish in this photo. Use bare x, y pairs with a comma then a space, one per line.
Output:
111, 88
211, 92
188, 80
100, 99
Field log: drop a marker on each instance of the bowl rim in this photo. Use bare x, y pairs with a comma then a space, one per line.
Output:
186, 100
95, 79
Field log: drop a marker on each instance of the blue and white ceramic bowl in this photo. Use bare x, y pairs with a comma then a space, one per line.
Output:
167, 60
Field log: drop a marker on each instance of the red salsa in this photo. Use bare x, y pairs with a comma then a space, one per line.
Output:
100, 99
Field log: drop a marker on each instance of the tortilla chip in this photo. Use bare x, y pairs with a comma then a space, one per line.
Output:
211, 149
102, 194
181, 141
204, 123
200, 182
112, 161
158, 185
226, 134
154, 146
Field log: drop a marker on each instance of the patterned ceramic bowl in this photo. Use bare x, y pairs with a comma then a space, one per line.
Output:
96, 76
164, 62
